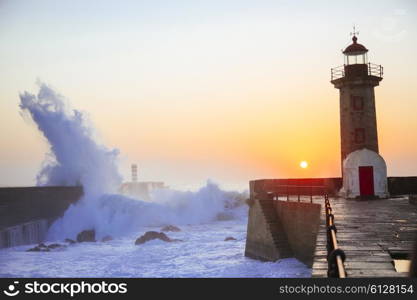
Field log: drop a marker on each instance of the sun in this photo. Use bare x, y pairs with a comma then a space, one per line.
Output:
303, 164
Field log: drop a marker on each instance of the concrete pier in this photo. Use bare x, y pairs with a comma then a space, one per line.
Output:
372, 233
27, 212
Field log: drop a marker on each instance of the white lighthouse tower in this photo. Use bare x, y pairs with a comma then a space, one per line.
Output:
363, 169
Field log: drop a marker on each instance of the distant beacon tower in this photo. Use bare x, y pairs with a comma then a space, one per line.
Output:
356, 80
134, 173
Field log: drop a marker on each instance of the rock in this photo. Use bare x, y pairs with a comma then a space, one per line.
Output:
224, 216
44, 248
39, 248
230, 238
34, 249
107, 238
54, 246
171, 228
86, 236
176, 240
153, 235
69, 241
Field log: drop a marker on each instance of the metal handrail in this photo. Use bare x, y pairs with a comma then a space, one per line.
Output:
335, 256
297, 190
337, 72
375, 70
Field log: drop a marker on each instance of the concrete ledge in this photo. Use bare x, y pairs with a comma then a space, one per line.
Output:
25, 204
397, 185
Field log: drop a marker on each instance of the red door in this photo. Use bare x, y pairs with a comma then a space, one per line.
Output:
366, 181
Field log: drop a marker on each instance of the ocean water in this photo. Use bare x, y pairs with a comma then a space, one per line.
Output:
203, 253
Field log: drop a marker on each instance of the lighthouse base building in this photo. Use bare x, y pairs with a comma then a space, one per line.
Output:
364, 175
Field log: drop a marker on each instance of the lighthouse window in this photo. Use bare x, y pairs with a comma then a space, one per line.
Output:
359, 135
356, 59
356, 102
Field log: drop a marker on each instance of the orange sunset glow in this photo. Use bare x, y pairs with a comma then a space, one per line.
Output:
190, 94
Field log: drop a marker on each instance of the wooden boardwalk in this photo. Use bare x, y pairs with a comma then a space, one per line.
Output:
370, 232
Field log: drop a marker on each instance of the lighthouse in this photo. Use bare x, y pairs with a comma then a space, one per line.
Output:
363, 169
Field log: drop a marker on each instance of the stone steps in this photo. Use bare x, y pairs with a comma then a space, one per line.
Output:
276, 229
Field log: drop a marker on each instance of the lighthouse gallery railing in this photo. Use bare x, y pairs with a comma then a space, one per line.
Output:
373, 70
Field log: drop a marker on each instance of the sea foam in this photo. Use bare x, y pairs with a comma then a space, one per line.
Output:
77, 158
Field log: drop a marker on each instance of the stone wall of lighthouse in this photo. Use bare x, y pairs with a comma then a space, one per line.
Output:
358, 126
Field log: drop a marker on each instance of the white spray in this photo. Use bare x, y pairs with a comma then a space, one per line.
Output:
77, 159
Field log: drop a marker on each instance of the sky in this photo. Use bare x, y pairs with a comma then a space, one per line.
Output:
193, 90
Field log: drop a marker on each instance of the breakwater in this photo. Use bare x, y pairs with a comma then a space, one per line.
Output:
27, 212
